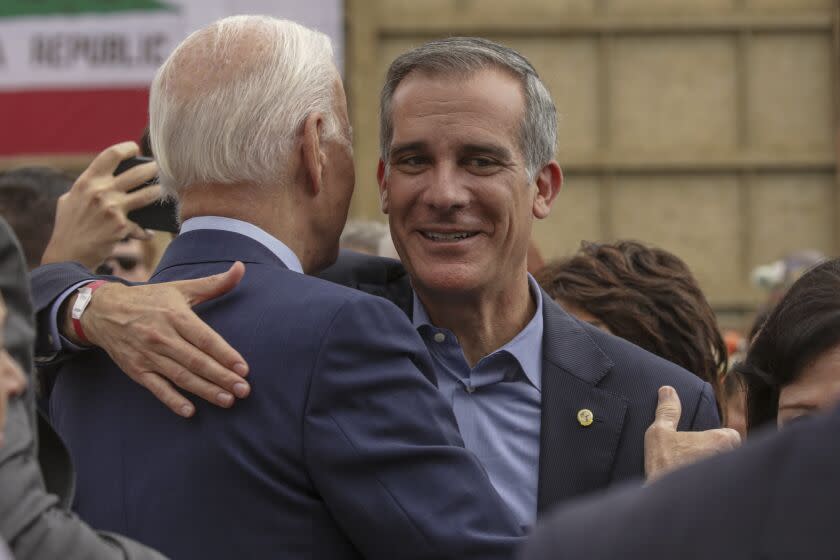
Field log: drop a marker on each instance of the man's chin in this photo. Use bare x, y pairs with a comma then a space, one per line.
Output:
447, 280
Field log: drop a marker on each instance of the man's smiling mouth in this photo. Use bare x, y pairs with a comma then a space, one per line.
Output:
450, 236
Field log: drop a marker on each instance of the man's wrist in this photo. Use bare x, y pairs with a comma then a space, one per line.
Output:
72, 332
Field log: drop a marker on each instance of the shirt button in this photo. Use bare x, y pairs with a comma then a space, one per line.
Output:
470, 389
439, 337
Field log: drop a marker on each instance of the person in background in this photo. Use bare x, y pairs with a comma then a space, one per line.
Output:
36, 476
28, 198
368, 237
792, 367
132, 260
645, 295
776, 278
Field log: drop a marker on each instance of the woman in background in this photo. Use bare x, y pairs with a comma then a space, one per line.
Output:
647, 296
792, 368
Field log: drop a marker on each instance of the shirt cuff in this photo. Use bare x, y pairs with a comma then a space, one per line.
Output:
58, 341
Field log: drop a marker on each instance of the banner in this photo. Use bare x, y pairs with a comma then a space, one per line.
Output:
74, 75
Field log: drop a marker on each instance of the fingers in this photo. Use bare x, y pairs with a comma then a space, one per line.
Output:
192, 383
136, 176
730, 439
204, 289
137, 232
142, 197
107, 160
669, 409
165, 393
208, 355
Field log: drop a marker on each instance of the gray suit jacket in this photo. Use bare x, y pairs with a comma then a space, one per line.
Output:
33, 521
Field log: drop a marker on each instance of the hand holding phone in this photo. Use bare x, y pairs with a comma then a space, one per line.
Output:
91, 218
161, 215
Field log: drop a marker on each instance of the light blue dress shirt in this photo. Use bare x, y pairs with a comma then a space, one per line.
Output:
497, 404
286, 256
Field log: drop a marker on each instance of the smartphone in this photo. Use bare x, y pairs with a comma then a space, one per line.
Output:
161, 215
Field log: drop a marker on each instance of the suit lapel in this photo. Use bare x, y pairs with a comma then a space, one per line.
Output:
574, 458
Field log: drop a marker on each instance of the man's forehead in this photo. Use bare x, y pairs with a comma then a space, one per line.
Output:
477, 109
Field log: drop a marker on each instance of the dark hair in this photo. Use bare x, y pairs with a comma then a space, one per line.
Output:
145, 143
647, 296
28, 197
802, 326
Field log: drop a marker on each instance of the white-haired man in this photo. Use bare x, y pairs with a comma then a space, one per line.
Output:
345, 448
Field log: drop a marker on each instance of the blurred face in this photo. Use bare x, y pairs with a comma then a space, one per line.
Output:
816, 388
127, 261
12, 381
457, 192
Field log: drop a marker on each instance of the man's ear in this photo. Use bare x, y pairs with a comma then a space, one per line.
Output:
313, 158
382, 179
549, 180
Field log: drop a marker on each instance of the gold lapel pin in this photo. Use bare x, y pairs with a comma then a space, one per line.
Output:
585, 417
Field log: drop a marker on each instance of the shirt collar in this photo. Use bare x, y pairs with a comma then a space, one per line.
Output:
280, 249
525, 347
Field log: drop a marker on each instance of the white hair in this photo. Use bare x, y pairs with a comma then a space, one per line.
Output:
227, 104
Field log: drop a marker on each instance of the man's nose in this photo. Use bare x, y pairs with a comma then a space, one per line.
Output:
445, 190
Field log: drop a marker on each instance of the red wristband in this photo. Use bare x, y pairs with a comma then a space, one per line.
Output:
77, 316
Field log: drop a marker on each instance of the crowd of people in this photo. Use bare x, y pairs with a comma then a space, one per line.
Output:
282, 384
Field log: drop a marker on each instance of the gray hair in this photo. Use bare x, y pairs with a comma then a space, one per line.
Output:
463, 56
226, 106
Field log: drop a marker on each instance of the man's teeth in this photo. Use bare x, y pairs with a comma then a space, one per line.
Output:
447, 236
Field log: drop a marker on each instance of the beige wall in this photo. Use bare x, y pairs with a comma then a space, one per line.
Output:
705, 126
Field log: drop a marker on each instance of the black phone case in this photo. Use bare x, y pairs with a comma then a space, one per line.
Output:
161, 215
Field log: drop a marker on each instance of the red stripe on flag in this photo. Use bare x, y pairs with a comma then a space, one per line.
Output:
70, 121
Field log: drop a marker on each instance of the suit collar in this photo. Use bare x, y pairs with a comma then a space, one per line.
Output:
208, 245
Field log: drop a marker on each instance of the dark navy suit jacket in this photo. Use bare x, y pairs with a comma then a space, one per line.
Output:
773, 499
344, 449
583, 367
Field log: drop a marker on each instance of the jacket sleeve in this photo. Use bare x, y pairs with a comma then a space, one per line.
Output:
49, 283
31, 520
383, 448
706, 415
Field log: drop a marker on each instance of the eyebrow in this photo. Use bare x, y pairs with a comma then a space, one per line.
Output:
420, 146
495, 151
400, 149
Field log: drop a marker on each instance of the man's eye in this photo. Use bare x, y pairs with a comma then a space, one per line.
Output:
481, 164
412, 161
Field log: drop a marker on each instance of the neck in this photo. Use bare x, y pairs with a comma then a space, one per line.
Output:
483, 323
268, 210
